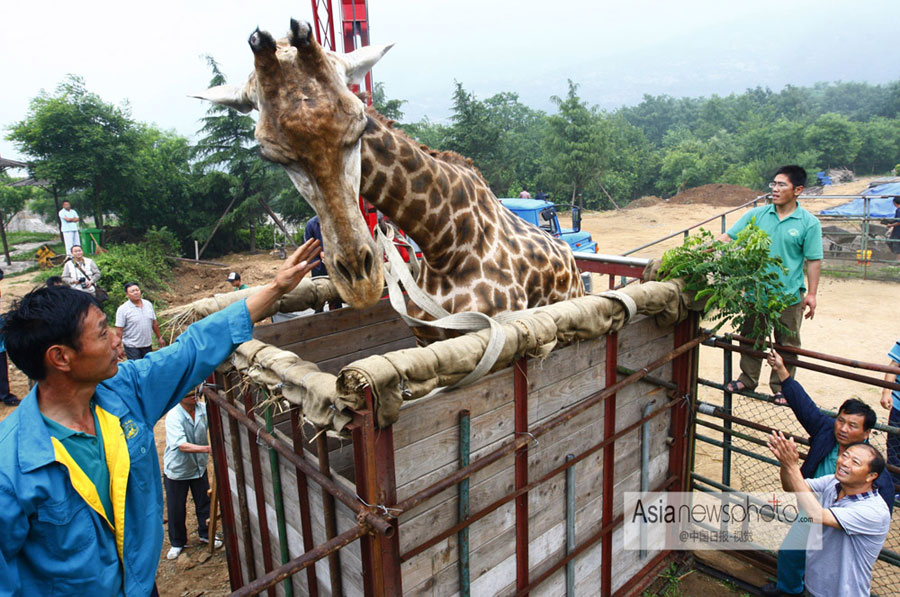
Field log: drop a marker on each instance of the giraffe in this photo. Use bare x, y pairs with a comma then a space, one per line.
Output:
478, 256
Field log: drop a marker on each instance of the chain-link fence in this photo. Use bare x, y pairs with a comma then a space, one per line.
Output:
860, 247
730, 451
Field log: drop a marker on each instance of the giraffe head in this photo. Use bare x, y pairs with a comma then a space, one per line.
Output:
312, 124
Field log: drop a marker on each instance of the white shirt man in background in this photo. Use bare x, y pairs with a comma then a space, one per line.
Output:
68, 219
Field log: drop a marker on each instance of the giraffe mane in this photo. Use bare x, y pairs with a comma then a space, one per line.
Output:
449, 157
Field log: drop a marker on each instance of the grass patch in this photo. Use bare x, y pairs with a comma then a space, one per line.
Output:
18, 238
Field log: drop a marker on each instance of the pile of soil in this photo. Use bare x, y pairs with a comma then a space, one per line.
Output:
722, 195
196, 281
645, 201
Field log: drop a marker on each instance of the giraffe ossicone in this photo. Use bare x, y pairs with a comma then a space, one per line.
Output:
478, 256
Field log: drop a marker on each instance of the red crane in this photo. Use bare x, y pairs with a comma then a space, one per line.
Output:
355, 31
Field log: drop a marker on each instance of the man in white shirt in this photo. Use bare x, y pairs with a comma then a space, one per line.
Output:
855, 519
135, 320
68, 219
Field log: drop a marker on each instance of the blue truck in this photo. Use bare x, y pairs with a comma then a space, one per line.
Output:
543, 214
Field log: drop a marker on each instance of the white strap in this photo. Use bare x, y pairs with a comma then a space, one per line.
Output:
625, 300
468, 321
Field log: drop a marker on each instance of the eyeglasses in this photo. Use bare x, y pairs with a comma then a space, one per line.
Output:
779, 185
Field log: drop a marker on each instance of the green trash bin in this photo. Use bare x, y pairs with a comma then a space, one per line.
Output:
89, 245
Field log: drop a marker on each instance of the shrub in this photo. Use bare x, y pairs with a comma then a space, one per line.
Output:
145, 263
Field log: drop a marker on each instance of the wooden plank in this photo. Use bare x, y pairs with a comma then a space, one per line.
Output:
547, 503
340, 343
414, 460
322, 324
562, 362
426, 417
334, 365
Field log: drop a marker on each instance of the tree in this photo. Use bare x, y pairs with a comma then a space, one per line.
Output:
228, 148
836, 139
387, 108
474, 134
79, 142
879, 146
571, 158
12, 200
515, 157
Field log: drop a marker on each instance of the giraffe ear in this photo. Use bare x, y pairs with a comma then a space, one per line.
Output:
239, 98
358, 62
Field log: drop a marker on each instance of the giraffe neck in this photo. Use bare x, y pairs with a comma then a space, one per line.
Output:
440, 204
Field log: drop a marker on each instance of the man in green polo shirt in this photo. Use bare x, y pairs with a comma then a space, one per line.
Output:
796, 238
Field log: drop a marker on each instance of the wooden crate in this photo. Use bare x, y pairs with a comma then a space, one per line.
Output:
425, 450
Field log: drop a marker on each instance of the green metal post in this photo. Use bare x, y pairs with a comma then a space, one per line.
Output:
726, 406
462, 537
570, 527
279, 504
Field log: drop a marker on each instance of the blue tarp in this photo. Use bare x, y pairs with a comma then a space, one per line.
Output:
878, 208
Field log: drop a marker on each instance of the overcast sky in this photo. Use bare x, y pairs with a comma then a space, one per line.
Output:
151, 53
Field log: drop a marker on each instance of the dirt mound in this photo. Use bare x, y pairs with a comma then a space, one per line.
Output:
723, 195
645, 201
196, 281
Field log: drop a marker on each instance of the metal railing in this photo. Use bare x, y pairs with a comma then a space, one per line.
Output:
740, 424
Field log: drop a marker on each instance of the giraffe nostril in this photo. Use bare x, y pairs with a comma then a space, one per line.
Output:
368, 263
343, 271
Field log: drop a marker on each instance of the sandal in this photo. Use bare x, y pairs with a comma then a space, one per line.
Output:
735, 385
780, 399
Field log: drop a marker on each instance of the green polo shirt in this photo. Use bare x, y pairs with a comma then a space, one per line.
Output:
796, 238
828, 464
87, 451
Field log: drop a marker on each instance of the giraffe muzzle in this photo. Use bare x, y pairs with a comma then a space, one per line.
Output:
358, 276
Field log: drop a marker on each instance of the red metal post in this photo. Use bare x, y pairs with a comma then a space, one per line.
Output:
324, 23
256, 467
682, 374
355, 20
386, 483
363, 432
520, 386
609, 462
303, 496
240, 479
223, 487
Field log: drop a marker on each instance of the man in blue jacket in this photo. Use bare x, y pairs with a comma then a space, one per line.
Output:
828, 437
80, 499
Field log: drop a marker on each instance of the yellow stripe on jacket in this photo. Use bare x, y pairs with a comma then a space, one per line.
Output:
119, 464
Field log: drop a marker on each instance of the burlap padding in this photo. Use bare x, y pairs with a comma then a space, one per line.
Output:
309, 294
408, 374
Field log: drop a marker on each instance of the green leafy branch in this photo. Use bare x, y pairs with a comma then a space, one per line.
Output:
736, 281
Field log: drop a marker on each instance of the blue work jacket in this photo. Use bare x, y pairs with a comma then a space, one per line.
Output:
820, 428
55, 538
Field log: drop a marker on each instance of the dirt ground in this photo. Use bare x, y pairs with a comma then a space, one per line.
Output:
852, 320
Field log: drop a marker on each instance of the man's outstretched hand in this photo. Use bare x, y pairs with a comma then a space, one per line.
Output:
297, 265
784, 449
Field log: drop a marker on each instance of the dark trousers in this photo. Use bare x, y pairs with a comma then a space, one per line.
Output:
792, 562
893, 441
137, 352
4, 377
176, 505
